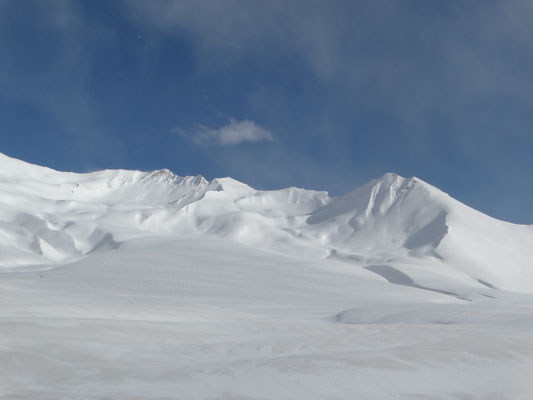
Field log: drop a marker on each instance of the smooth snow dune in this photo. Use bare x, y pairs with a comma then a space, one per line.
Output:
199, 318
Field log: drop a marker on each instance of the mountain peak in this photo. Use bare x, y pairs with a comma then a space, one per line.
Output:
164, 174
390, 177
167, 176
395, 181
230, 185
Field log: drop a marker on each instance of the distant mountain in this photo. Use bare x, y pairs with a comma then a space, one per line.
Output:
405, 230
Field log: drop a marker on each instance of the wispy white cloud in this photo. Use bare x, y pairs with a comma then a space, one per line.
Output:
234, 133
373, 47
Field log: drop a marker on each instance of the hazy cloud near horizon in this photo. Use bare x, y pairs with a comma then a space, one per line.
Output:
372, 42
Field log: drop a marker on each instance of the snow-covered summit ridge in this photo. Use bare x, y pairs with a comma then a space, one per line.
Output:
49, 217
160, 186
99, 183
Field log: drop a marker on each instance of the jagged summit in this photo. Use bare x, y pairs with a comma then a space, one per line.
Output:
49, 217
106, 186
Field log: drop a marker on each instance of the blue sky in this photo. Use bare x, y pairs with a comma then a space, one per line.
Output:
317, 94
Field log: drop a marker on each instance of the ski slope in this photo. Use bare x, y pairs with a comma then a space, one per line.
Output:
146, 285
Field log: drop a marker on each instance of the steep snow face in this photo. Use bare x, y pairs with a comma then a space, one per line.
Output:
388, 216
393, 226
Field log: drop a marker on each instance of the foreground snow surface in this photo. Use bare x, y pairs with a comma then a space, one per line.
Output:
146, 285
180, 318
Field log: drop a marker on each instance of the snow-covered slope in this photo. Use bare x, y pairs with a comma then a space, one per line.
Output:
398, 220
393, 226
146, 285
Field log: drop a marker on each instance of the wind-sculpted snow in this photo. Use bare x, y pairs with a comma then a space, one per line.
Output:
127, 285
486, 314
49, 218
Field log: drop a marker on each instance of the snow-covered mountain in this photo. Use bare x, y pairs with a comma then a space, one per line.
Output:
146, 285
393, 226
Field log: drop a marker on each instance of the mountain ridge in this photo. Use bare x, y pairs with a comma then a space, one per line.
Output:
50, 217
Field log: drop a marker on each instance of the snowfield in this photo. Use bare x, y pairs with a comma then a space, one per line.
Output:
146, 285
